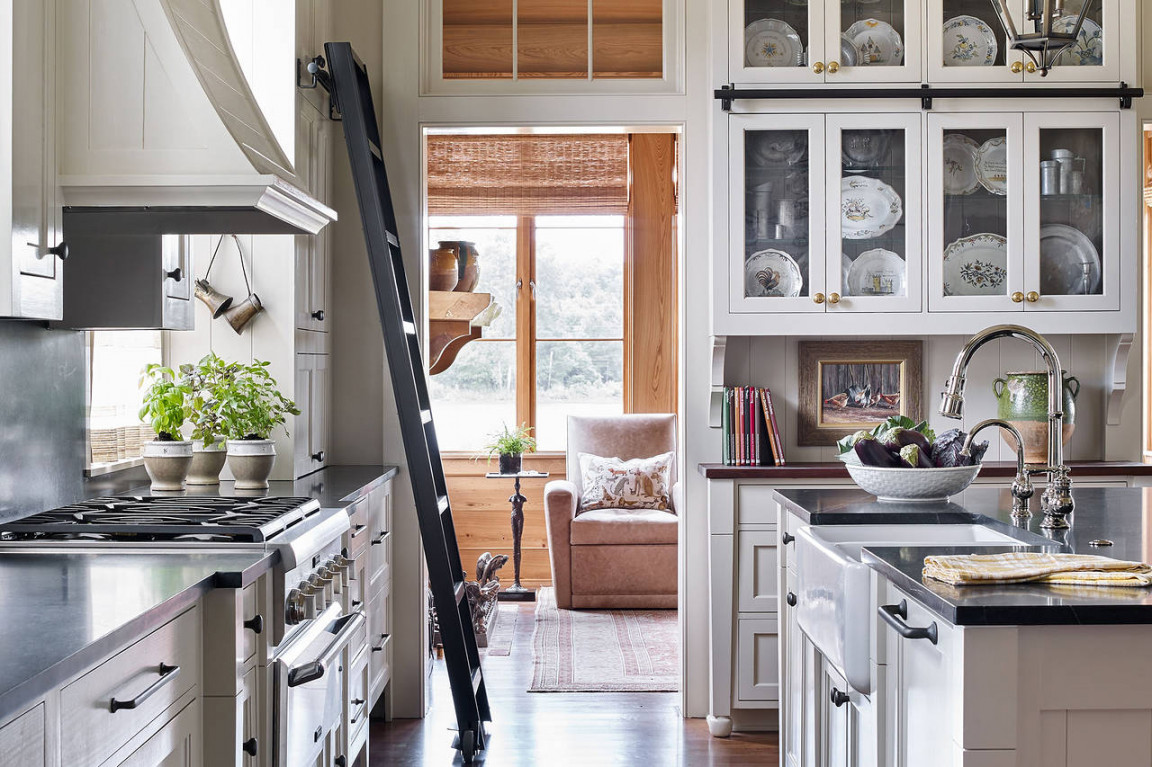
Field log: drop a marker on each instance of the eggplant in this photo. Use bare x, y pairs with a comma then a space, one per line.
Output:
872, 453
898, 438
912, 457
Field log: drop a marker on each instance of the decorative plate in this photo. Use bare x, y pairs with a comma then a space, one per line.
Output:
876, 273
1069, 263
992, 165
976, 266
868, 207
772, 273
878, 43
772, 147
960, 164
1088, 50
845, 267
849, 53
969, 42
772, 43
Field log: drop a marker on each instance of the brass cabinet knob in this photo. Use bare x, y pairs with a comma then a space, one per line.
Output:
1017, 297
1032, 297
818, 298
833, 298
818, 67
833, 67
1030, 67
1017, 67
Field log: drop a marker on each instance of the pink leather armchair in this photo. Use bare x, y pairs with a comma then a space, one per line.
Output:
613, 558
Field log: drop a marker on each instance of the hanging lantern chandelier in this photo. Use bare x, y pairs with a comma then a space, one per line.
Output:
1053, 34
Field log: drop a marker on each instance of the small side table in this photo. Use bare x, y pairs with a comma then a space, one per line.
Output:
516, 592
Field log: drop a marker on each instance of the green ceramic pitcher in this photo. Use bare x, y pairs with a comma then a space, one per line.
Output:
1022, 400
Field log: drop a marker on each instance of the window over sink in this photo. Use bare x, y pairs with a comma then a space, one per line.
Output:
116, 359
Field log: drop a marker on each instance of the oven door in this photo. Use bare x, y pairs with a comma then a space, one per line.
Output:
308, 686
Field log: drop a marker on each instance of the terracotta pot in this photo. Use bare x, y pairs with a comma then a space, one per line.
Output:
511, 464
207, 463
167, 463
251, 462
443, 268
1022, 400
468, 267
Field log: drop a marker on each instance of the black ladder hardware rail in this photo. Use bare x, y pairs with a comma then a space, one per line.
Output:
347, 83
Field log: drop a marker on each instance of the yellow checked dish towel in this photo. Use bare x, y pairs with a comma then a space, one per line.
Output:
1036, 567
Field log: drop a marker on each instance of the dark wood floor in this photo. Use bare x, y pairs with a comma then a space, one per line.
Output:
563, 728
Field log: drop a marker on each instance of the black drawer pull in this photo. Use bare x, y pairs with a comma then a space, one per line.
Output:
318, 456
383, 640
340, 761
255, 624
358, 529
379, 539
60, 251
251, 746
356, 604
357, 701
839, 698
318, 315
790, 599
167, 674
787, 538
176, 274
895, 615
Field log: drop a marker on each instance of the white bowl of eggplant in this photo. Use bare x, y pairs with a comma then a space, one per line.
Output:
901, 460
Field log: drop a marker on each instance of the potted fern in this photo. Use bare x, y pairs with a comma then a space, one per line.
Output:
510, 445
251, 407
165, 407
205, 381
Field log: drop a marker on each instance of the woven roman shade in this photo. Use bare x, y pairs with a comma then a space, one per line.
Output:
528, 175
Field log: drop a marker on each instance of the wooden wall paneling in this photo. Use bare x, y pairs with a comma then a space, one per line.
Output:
652, 219
552, 38
627, 38
477, 39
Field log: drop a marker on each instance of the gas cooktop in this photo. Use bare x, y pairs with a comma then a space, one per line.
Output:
146, 518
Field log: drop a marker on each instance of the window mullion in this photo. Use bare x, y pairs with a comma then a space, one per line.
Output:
525, 322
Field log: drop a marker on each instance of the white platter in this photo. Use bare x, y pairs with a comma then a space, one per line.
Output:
772, 43
868, 207
876, 272
1064, 251
969, 42
960, 164
772, 273
976, 266
878, 43
849, 53
1088, 51
992, 165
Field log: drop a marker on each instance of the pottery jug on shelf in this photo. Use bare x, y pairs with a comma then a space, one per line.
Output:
468, 266
443, 267
1022, 400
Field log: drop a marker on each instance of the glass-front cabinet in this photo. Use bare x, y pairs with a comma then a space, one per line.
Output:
1024, 212
825, 41
825, 212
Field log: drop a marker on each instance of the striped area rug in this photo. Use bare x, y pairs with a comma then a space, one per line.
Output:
604, 650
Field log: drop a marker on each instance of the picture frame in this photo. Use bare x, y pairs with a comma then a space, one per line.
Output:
846, 386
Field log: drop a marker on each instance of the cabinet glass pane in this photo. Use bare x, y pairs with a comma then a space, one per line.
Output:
973, 36
873, 259
776, 194
871, 33
975, 228
1089, 48
776, 33
1071, 211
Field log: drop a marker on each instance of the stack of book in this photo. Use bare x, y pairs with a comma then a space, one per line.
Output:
751, 434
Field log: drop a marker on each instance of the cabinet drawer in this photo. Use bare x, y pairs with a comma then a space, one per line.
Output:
755, 505
356, 539
758, 660
93, 730
759, 570
358, 602
379, 562
176, 744
359, 704
380, 640
22, 739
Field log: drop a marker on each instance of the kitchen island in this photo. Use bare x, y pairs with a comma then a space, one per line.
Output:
969, 675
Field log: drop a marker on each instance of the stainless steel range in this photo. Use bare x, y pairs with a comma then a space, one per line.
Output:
309, 628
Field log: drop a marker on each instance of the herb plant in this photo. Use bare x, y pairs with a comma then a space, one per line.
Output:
165, 402
511, 442
249, 404
206, 381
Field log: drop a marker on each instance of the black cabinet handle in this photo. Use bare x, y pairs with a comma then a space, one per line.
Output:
895, 615
340, 761
356, 604
167, 674
383, 639
358, 529
790, 599
357, 701
318, 456
251, 746
176, 274
787, 538
255, 624
318, 315
839, 698
60, 251
379, 539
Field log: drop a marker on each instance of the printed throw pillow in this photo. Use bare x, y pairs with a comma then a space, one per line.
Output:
639, 483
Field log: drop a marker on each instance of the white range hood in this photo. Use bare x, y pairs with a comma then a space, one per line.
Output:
161, 128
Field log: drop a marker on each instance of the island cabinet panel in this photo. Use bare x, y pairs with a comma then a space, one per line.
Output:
758, 658
94, 730
177, 744
759, 570
22, 739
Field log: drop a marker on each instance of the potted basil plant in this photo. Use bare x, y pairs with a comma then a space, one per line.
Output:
165, 407
205, 381
251, 407
510, 445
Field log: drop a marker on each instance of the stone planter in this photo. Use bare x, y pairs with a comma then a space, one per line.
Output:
207, 463
251, 462
1022, 400
167, 463
511, 464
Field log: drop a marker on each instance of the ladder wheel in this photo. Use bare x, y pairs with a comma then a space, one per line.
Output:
468, 745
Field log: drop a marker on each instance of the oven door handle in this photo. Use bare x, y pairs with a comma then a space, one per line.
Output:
343, 628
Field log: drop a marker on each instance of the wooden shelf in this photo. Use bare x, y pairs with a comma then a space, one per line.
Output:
454, 319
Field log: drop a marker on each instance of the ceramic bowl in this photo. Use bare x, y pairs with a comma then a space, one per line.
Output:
913, 484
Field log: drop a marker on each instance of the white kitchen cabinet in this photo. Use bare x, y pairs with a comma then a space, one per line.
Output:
791, 680
22, 739
759, 570
824, 42
32, 266
758, 662
178, 743
314, 154
313, 396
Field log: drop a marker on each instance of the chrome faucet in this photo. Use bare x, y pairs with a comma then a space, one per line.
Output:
1056, 502
1022, 488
